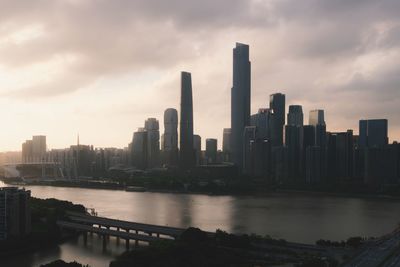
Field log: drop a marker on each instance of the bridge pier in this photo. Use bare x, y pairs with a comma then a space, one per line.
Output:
127, 244
104, 242
85, 238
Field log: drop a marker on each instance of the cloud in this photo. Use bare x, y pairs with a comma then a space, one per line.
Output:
321, 53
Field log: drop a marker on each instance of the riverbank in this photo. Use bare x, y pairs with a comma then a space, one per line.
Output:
260, 192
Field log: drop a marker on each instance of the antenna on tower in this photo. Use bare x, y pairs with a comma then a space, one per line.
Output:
78, 140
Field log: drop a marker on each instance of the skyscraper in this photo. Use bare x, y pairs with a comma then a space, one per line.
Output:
277, 105
153, 141
226, 144
140, 149
170, 137
262, 120
240, 101
295, 115
211, 150
197, 149
186, 125
373, 133
317, 119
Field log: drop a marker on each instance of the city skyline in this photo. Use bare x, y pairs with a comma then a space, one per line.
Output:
51, 68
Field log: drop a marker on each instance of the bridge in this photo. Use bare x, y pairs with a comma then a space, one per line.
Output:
117, 228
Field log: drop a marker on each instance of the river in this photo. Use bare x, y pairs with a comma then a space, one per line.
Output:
295, 217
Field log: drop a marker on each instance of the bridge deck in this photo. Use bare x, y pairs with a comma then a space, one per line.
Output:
147, 228
121, 234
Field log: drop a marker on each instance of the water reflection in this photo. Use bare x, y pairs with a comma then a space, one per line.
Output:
294, 217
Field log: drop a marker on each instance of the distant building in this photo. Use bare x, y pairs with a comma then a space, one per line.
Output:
15, 213
186, 156
262, 120
316, 117
140, 149
294, 144
340, 155
170, 137
277, 105
316, 169
211, 150
34, 151
197, 149
226, 145
373, 133
295, 116
153, 142
240, 101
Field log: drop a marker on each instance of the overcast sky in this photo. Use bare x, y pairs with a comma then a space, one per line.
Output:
101, 67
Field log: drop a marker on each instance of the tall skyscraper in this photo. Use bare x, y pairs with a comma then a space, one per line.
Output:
152, 128
277, 105
295, 115
187, 156
373, 133
170, 137
240, 101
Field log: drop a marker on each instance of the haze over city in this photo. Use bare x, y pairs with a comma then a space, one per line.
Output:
100, 68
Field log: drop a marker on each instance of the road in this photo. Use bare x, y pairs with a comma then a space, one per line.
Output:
382, 252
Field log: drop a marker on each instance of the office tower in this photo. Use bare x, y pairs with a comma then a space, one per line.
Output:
15, 213
186, 125
316, 117
373, 133
226, 145
211, 150
139, 149
340, 155
262, 121
197, 149
27, 152
317, 120
315, 165
381, 165
240, 101
170, 137
295, 115
294, 144
277, 105
152, 128
39, 148
308, 141
249, 139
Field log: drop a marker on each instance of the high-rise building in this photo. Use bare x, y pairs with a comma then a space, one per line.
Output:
139, 149
15, 214
277, 105
373, 133
211, 150
316, 117
262, 120
240, 101
226, 144
197, 149
294, 144
39, 147
152, 128
317, 120
170, 137
295, 116
187, 159
340, 155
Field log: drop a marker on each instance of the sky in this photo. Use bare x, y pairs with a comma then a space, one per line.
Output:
101, 67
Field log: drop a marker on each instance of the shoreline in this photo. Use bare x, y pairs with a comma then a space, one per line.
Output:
247, 194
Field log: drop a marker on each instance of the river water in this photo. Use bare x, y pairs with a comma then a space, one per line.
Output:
295, 217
